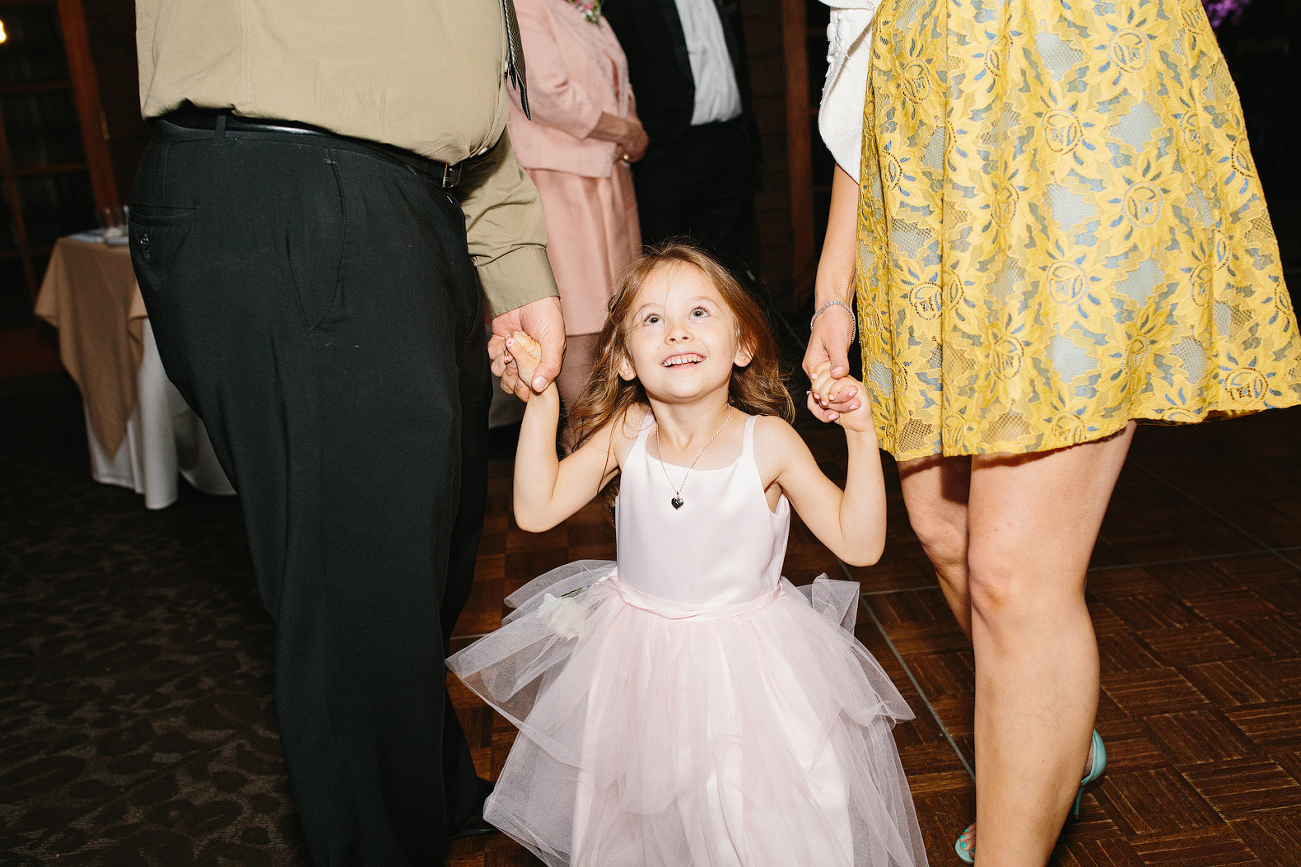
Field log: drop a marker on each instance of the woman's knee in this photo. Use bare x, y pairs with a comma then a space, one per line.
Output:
936, 490
996, 586
944, 539
1012, 590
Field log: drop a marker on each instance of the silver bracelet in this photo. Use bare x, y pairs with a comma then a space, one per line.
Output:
825, 307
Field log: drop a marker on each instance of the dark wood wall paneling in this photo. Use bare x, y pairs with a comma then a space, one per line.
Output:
70, 165
787, 47
763, 34
111, 27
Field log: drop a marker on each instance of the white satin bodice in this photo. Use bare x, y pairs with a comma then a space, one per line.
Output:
723, 547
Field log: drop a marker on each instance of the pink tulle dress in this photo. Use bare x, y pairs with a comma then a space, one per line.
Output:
689, 706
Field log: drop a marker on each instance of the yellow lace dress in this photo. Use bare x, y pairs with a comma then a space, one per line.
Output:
1060, 228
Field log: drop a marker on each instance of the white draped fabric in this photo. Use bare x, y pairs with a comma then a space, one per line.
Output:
164, 441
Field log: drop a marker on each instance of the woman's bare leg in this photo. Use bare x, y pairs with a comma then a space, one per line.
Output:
935, 491
1033, 520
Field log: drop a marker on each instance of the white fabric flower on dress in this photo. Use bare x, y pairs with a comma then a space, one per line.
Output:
565, 614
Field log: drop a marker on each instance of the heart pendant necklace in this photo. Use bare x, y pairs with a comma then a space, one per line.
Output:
677, 500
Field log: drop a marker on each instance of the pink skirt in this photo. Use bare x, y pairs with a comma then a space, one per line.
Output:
592, 235
653, 734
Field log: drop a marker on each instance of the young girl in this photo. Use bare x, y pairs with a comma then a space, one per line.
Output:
687, 705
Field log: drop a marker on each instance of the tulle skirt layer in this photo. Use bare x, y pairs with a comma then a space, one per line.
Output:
656, 734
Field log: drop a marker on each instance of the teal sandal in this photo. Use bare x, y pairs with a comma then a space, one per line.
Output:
965, 851
1098, 764
1098, 755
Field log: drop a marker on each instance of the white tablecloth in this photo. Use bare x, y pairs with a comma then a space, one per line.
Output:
164, 440
107, 345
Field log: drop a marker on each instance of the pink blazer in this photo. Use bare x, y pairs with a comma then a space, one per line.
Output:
572, 66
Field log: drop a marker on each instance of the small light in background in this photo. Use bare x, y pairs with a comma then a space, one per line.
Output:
1219, 11
3, 36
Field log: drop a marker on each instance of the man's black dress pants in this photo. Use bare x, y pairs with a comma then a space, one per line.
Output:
701, 187
314, 301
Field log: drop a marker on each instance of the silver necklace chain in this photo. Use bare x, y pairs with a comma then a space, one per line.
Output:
677, 500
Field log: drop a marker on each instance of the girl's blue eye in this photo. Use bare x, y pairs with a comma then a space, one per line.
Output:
652, 319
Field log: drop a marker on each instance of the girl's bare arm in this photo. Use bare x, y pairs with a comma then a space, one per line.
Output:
548, 490
850, 522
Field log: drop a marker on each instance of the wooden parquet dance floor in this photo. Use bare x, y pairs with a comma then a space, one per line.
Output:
1195, 590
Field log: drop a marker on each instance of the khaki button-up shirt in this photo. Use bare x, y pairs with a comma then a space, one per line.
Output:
424, 75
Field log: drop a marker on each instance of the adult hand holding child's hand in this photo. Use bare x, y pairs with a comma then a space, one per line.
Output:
524, 353
542, 320
842, 400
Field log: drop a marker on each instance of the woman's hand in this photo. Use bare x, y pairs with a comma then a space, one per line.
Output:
829, 342
636, 141
833, 328
627, 133
843, 400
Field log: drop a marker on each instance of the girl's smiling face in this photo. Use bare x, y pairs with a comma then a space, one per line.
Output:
681, 337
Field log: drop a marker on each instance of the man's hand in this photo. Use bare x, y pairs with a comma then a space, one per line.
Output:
524, 354
542, 321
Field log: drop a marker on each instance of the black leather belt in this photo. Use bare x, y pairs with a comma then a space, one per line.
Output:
446, 174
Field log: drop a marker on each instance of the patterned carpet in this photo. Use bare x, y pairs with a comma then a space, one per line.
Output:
136, 721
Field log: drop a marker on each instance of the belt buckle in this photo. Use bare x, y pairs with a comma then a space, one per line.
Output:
451, 175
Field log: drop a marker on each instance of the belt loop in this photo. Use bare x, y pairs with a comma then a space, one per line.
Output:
219, 130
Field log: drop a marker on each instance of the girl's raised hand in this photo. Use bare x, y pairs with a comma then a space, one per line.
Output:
525, 353
842, 400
